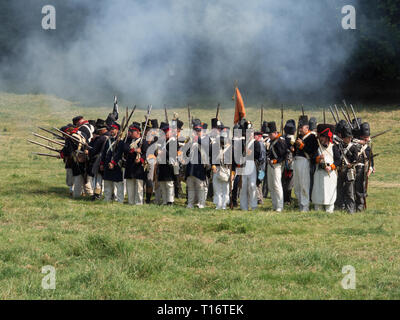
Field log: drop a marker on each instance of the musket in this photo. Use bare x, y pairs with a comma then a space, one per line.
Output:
282, 119
127, 121
115, 109
43, 145
51, 132
166, 114
324, 116
47, 155
348, 121
189, 116
302, 110
355, 117
217, 115
337, 113
47, 139
333, 115
381, 133
262, 114
73, 138
347, 110
366, 178
145, 125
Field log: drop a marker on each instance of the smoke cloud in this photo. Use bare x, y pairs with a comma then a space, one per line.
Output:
180, 51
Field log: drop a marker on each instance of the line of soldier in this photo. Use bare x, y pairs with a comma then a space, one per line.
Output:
326, 165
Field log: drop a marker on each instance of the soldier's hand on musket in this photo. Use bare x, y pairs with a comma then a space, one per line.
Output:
86, 152
137, 160
349, 165
292, 149
111, 166
214, 169
370, 171
328, 169
138, 150
298, 142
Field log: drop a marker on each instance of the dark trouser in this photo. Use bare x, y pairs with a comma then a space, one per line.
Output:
359, 187
345, 199
178, 187
287, 185
235, 190
265, 183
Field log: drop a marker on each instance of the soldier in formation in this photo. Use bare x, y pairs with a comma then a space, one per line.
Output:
326, 165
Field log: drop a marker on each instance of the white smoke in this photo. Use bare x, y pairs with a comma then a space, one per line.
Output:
177, 51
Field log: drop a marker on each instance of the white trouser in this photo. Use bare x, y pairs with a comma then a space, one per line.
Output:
301, 180
109, 190
96, 183
69, 178
248, 192
134, 188
328, 208
79, 185
196, 194
221, 192
275, 186
167, 191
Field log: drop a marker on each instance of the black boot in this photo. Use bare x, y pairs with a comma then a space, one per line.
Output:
148, 198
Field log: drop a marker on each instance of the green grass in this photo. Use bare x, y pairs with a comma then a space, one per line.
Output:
114, 251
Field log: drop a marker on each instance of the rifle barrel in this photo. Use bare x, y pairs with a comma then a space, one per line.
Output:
333, 115
73, 138
47, 139
381, 133
44, 146
51, 132
355, 117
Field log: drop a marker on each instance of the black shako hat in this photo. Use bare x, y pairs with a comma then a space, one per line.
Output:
303, 121
135, 126
339, 126
346, 131
290, 127
272, 126
264, 128
365, 130
76, 119
312, 123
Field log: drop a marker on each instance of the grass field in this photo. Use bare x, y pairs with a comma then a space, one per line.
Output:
115, 251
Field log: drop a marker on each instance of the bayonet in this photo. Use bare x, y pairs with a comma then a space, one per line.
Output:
166, 114
115, 109
217, 115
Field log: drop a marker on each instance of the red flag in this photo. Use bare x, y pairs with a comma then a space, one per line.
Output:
240, 111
